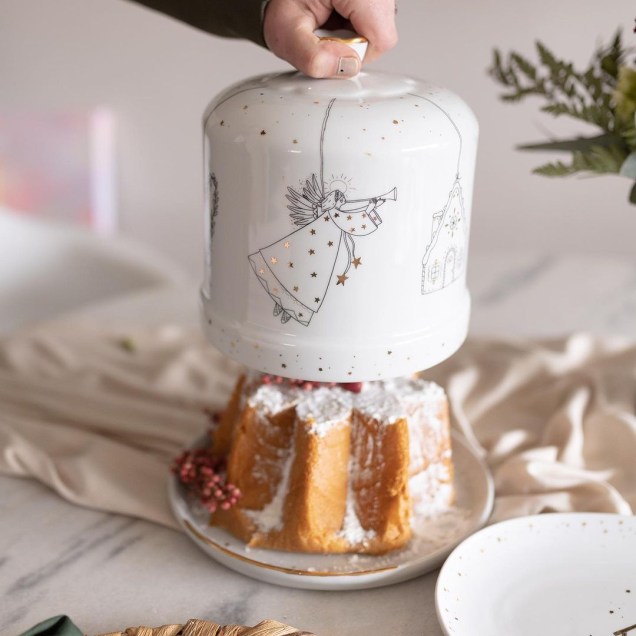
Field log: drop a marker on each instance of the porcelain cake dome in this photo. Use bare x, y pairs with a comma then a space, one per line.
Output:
338, 217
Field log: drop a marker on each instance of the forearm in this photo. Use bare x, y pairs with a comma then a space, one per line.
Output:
227, 18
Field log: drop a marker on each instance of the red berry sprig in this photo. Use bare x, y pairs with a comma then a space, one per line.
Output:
203, 475
354, 387
214, 417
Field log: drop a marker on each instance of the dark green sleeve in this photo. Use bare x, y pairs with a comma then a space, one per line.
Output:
56, 626
228, 18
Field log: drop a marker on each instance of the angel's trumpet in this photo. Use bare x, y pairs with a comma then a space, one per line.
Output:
391, 195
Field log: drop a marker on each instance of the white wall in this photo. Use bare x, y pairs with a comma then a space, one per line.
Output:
157, 75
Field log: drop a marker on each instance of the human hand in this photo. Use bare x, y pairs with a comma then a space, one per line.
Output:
289, 27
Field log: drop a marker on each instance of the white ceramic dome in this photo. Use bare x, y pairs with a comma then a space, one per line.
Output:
337, 225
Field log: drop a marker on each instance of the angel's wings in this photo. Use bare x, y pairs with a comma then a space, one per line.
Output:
304, 206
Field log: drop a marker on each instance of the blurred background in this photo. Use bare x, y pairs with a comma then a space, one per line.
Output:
103, 99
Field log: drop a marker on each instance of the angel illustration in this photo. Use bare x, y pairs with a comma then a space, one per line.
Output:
297, 270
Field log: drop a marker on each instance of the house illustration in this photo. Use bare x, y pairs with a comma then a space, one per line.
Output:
445, 257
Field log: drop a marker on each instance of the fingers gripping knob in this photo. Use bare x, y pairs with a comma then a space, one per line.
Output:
356, 42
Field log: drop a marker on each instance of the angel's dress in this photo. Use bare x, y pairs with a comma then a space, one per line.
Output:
297, 270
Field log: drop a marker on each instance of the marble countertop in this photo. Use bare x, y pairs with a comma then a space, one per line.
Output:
107, 571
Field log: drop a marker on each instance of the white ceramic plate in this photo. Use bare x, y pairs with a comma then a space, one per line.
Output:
436, 538
572, 574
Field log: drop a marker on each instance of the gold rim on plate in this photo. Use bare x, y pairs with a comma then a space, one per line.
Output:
268, 566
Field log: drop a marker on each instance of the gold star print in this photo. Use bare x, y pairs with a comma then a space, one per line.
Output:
342, 280
296, 288
316, 300
300, 315
313, 231
336, 215
364, 227
261, 271
357, 261
313, 274
263, 132
286, 244
349, 217
274, 260
312, 252
364, 216
330, 244
326, 217
291, 264
353, 229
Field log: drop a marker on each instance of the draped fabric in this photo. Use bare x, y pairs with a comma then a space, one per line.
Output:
97, 413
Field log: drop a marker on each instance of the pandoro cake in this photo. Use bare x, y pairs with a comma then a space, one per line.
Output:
329, 470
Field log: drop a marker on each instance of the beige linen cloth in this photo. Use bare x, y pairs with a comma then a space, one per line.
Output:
97, 414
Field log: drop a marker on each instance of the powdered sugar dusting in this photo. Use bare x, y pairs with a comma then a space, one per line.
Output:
427, 433
425, 406
438, 529
271, 516
375, 402
268, 399
431, 489
320, 409
409, 389
324, 408
434, 535
431, 532
352, 531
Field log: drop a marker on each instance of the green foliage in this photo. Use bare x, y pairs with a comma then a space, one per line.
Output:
629, 135
603, 94
582, 144
597, 160
625, 94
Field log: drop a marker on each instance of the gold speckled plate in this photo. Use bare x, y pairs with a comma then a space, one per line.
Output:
435, 538
560, 573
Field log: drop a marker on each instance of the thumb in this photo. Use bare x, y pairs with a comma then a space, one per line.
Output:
289, 33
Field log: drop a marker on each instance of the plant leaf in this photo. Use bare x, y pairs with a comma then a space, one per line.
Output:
597, 160
612, 56
555, 169
602, 94
629, 135
546, 56
600, 160
524, 65
579, 143
625, 93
